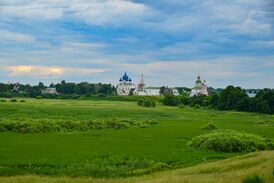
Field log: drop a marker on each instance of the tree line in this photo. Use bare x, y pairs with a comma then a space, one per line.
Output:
63, 88
230, 98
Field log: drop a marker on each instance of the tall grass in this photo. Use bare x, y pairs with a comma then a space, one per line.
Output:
48, 125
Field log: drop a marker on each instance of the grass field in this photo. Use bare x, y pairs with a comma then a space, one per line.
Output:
113, 152
222, 171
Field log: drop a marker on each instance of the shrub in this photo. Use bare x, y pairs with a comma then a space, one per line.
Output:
3, 100
170, 100
22, 101
159, 166
13, 100
38, 97
146, 103
231, 141
140, 102
254, 178
197, 106
209, 126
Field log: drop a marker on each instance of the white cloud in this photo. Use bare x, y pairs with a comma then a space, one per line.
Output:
226, 70
15, 37
31, 9
46, 71
107, 12
95, 12
250, 26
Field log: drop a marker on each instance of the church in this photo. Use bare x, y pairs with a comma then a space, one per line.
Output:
200, 88
125, 87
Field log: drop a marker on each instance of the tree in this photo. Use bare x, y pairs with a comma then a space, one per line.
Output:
41, 85
165, 90
229, 97
170, 100
214, 99
243, 104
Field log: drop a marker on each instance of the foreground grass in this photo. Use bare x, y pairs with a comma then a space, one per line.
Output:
223, 171
113, 152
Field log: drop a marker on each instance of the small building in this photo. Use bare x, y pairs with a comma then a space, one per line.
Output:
200, 88
251, 94
52, 91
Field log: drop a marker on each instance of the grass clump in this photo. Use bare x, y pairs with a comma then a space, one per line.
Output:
13, 100
254, 178
38, 97
3, 100
231, 141
22, 101
146, 103
209, 126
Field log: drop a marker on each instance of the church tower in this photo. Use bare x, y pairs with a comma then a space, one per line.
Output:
141, 85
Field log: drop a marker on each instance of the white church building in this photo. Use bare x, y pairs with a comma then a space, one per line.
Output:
200, 88
125, 85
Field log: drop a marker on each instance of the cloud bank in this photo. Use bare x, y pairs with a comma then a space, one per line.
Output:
170, 41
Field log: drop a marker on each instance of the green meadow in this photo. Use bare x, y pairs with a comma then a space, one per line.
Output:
113, 152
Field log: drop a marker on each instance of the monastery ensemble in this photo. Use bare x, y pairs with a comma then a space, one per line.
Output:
126, 86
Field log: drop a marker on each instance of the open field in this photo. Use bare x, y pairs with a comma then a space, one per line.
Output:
111, 152
223, 171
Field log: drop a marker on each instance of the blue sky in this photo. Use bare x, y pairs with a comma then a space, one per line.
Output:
169, 41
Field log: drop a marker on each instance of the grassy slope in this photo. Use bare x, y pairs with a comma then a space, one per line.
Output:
224, 171
166, 142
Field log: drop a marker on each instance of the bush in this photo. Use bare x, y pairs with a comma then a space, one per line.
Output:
13, 100
3, 100
171, 100
209, 126
39, 97
146, 103
22, 101
231, 141
253, 179
197, 106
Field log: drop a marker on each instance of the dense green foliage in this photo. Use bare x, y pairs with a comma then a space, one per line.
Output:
42, 126
232, 141
67, 89
254, 178
231, 98
108, 152
170, 100
146, 102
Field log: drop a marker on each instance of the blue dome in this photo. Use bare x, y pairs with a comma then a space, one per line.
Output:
125, 77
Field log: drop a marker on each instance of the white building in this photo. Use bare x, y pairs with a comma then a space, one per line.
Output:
125, 85
200, 88
142, 90
49, 91
251, 94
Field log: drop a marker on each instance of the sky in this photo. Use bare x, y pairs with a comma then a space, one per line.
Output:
227, 42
